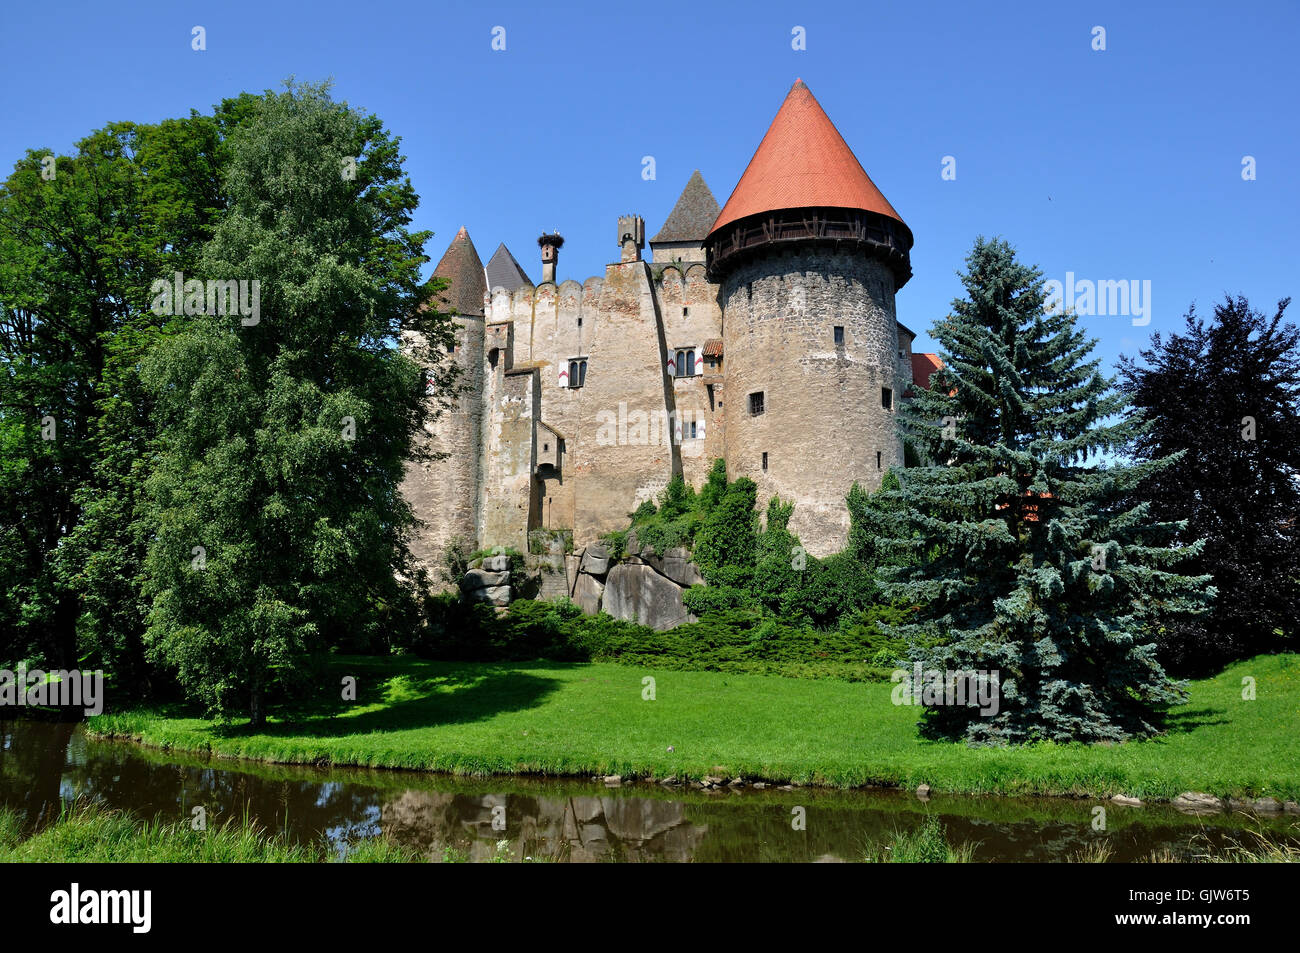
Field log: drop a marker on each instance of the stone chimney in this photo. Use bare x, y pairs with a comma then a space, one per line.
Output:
631, 236
550, 243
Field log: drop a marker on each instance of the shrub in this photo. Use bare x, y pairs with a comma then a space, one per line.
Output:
616, 543
702, 600
728, 536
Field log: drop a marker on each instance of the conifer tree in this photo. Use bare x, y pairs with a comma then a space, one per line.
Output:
1014, 542
1227, 395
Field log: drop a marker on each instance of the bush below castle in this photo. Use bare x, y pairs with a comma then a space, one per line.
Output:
768, 608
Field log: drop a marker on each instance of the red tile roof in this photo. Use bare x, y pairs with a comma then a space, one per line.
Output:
923, 365
802, 162
713, 347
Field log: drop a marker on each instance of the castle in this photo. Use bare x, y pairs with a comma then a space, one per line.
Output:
763, 333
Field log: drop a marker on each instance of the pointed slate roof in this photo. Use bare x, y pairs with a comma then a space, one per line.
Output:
692, 216
460, 264
802, 162
504, 272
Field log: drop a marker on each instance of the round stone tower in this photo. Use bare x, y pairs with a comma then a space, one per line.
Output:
445, 492
808, 255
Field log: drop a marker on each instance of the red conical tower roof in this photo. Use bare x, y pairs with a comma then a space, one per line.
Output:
802, 162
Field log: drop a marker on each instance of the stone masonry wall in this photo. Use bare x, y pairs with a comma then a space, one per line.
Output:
823, 425
445, 493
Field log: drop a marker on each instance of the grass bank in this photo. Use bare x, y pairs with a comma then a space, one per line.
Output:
89, 834
559, 719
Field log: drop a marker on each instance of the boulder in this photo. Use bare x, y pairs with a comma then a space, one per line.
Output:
639, 594
1126, 800
595, 560
923, 792
1194, 802
587, 593
499, 563
676, 565
571, 571
493, 595
482, 579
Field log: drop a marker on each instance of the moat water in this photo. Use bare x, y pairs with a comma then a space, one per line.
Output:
44, 766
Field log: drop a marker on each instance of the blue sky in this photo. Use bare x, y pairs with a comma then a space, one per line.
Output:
1122, 164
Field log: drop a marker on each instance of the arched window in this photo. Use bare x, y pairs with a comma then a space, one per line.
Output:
577, 372
690, 363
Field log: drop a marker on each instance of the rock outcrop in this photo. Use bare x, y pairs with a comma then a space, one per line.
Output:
488, 582
646, 587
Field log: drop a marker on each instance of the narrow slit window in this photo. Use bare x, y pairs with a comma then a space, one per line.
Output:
877, 459
765, 460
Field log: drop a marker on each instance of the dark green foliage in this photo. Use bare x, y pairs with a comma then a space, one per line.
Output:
714, 487
732, 640
1021, 554
726, 544
1242, 495
282, 443
79, 252
702, 600
673, 522
456, 558
616, 543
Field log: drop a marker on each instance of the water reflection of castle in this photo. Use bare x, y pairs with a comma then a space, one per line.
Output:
577, 829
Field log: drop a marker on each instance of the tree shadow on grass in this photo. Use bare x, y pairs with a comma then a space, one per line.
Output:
411, 698
1183, 722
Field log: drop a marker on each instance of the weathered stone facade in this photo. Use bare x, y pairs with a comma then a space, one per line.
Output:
591, 397
823, 423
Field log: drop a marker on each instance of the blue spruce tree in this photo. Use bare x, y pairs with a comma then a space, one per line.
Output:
1020, 541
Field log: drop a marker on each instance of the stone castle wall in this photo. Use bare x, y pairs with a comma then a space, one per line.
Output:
822, 424
528, 451
444, 492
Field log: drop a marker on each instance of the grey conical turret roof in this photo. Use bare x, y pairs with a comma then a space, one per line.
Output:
504, 272
692, 216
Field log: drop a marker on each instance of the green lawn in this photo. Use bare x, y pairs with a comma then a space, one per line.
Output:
585, 719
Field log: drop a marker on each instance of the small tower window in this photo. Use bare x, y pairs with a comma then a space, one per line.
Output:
580, 325
693, 429
577, 372
764, 460
756, 403
839, 335
877, 459
886, 398
686, 312
451, 348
